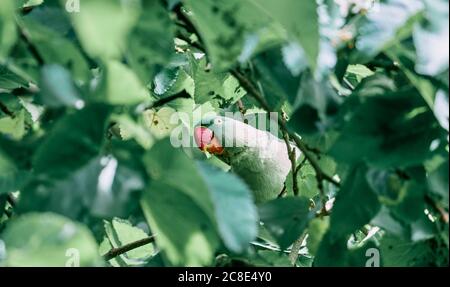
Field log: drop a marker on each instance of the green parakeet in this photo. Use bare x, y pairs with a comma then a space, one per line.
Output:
260, 158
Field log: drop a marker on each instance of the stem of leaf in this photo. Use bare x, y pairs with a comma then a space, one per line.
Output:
128, 247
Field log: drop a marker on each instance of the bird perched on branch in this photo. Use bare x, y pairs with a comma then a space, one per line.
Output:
260, 158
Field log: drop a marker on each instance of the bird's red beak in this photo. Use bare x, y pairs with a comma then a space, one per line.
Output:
206, 140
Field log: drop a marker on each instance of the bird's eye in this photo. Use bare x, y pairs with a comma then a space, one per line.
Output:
218, 121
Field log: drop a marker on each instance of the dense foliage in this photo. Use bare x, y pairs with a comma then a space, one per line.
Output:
87, 89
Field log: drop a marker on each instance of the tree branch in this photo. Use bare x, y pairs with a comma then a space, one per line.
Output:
160, 102
128, 247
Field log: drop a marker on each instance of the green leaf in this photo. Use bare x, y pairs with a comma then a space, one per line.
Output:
164, 163
150, 43
307, 182
18, 153
160, 122
102, 188
431, 39
438, 182
231, 195
103, 26
300, 19
184, 231
9, 80
120, 86
11, 177
165, 80
384, 128
268, 258
286, 218
131, 129
380, 29
333, 252
74, 140
388, 185
57, 88
441, 109
179, 211
356, 204
396, 252
359, 72
46, 239
208, 83
119, 233
3, 199
278, 83
55, 48
7, 28
232, 29
405, 55
14, 127
403, 197
315, 105
385, 220
317, 228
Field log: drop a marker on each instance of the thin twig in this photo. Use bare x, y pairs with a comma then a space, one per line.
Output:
296, 246
241, 107
5, 110
166, 100
31, 89
443, 214
293, 159
25, 10
8, 213
297, 170
128, 247
13, 68
283, 191
11, 200
30, 46
314, 150
188, 25
190, 42
323, 212
319, 172
347, 82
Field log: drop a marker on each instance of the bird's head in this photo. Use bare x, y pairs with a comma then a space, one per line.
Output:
217, 134
208, 135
